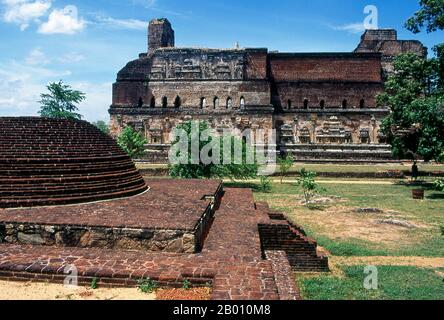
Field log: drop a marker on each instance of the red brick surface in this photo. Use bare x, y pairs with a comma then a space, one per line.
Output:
167, 205
297, 67
231, 258
56, 162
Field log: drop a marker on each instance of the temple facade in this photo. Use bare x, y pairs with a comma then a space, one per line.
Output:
322, 105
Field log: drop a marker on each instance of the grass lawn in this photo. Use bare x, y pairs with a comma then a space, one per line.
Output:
394, 283
344, 232
347, 234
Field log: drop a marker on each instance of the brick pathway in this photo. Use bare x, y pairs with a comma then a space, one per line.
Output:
231, 259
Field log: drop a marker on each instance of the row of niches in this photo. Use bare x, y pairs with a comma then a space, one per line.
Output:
307, 104
214, 103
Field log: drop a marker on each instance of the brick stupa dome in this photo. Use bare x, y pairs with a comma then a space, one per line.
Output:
56, 162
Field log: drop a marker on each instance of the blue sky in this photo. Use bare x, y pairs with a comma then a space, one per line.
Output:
85, 43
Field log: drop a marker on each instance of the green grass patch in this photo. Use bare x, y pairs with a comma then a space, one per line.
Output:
427, 240
394, 283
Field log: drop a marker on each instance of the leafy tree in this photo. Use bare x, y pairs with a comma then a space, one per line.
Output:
61, 101
414, 94
132, 142
216, 169
285, 163
430, 16
308, 184
102, 126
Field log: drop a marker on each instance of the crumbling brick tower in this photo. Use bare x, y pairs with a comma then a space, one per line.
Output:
160, 34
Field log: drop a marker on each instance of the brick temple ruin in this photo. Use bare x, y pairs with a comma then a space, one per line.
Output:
72, 201
323, 105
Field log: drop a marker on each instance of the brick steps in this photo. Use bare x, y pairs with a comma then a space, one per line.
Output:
55, 192
36, 171
281, 235
54, 162
71, 199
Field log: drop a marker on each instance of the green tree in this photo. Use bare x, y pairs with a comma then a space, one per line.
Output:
215, 169
430, 16
102, 126
414, 94
132, 142
61, 101
285, 163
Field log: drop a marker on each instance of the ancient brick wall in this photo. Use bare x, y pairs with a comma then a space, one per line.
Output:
157, 125
256, 64
317, 95
386, 42
252, 88
325, 67
160, 34
312, 125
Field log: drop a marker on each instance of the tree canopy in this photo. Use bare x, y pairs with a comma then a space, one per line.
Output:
102, 126
414, 94
132, 142
61, 101
430, 16
215, 169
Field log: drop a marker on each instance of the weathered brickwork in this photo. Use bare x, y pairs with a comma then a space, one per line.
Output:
386, 42
55, 162
232, 260
258, 89
168, 218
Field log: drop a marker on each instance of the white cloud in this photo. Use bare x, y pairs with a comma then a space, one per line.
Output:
133, 24
23, 12
37, 57
145, 3
358, 27
21, 86
71, 57
98, 100
64, 21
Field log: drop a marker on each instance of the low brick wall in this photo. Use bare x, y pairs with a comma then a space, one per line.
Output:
281, 235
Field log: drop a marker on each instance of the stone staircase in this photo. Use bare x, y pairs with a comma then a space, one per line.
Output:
339, 153
57, 162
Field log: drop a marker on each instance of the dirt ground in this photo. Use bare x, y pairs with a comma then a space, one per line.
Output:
341, 222
46, 291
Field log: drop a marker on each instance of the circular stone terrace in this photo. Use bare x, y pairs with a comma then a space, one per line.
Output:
71, 197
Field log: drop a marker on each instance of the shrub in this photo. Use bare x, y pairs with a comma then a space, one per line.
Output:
285, 163
265, 184
186, 285
94, 283
308, 184
132, 142
439, 185
146, 285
